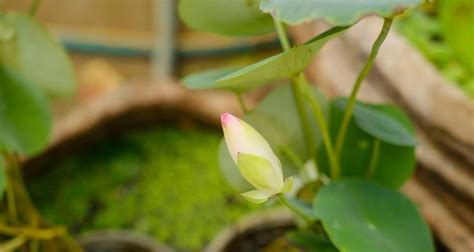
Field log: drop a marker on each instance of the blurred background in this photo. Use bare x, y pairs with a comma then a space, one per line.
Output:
132, 150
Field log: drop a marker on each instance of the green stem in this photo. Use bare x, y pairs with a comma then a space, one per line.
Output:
241, 100
34, 7
27, 212
375, 158
294, 209
13, 244
10, 190
292, 156
362, 75
280, 29
319, 116
296, 88
11, 204
34, 245
32, 232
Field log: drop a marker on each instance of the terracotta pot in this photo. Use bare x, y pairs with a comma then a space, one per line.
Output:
120, 241
253, 232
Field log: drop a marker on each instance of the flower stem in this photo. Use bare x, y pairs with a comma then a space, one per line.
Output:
375, 158
13, 244
242, 104
10, 195
28, 219
296, 88
318, 115
34, 245
294, 209
34, 7
292, 156
27, 212
10, 192
280, 29
362, 75
32, 233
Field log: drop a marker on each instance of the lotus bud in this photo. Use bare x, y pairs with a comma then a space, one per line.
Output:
256, 161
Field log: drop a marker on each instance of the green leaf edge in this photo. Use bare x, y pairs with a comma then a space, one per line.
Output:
334, 21
378, 108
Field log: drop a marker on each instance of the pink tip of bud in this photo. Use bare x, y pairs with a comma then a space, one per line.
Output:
228, 119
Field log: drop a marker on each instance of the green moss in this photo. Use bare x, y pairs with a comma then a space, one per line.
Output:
163, 181
424, 31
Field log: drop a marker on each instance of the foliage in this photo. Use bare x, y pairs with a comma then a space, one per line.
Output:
375, 212
283, 65
235, 17
36, 55
3, 182
352, 143
276, 117
336, 12
139, 170
23, 107
457, 21
431, 34
395, 159
32, 66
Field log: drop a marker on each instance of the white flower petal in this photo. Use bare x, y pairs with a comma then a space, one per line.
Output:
256, 196
243, 138
257, 145
233, 134
259, 172
288, 185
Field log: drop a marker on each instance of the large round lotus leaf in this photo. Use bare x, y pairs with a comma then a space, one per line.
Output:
361, 216
337, 12
25, 119
36, 55
226, 17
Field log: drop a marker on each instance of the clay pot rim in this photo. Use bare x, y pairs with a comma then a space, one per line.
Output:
279, 217
123, 236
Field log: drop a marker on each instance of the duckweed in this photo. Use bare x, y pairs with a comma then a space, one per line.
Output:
164, 182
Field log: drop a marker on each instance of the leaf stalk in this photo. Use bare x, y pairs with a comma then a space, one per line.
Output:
319, 116
296, 88
34, 7
362, 75
294, 209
